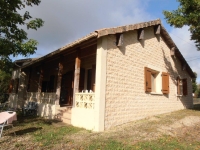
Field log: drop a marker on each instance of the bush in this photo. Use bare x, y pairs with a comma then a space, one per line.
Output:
4, 97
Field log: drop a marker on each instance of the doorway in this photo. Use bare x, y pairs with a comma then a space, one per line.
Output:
67, 83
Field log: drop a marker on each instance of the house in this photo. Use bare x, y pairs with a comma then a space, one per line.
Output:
110, 77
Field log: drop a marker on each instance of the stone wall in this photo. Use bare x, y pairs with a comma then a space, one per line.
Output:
126, 99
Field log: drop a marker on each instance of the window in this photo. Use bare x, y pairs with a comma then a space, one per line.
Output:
181, 86
89, 79
156, 81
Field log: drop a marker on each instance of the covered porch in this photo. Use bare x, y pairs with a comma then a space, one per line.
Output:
68, 84
60, 83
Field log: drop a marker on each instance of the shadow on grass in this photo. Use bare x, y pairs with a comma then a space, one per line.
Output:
33, 119
196, 107
27, 130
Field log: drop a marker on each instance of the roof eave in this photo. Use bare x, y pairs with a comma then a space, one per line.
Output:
73, 44
170, 43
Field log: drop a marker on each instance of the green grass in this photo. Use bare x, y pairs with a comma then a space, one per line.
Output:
42, 132
109, 144
49, 135
39, 133
163, 143
166, 143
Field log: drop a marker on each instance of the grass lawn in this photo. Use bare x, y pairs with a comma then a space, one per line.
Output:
179, 130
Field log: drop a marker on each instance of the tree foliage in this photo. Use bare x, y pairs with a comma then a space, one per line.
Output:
6, 66
194, 83
13, 38
188, 13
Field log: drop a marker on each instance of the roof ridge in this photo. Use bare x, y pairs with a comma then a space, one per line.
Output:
125, 28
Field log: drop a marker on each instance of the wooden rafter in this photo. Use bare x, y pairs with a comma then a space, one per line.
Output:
172, 51
141, 34
119, 39
157, 29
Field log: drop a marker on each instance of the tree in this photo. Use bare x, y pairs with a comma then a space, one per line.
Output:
13, 39
194, 83
5, 77
188, 13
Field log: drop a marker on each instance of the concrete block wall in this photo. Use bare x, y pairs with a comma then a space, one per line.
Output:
126, 99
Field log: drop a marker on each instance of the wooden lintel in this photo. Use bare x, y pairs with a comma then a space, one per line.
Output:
140, 34
157, 29
172, 51
119, 39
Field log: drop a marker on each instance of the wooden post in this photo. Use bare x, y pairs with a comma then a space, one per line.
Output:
40, 83
76, 76
93, 77
29, 79
40, 80
58, 88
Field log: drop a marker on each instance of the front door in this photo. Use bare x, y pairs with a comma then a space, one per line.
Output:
66, 95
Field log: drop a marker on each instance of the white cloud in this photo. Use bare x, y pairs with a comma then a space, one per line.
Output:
66, 21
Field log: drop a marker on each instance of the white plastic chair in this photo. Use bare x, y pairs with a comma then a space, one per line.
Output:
5, 124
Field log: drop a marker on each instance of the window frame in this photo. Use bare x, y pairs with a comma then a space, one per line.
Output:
182, 82
161, 81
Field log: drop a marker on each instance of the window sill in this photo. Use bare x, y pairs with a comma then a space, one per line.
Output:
180, 95
156, 93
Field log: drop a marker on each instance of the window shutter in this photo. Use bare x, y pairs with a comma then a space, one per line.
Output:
178, 86
184, 86
147, 79
165, 83
11, 86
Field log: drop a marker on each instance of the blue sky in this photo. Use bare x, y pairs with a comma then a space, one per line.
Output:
66, 21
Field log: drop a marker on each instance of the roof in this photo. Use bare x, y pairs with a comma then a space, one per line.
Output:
126, 28
106, 31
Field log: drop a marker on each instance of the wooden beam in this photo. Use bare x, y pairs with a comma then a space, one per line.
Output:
140, 34
59, 80
41, 73
77, 74
157, 29
184, 66
172, 51
119, 39
29, 79
93, 77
